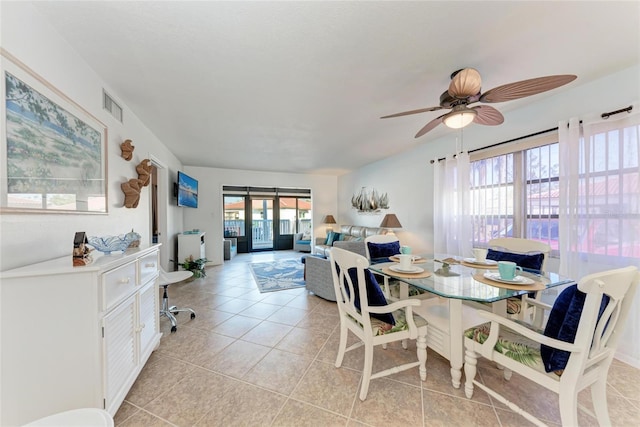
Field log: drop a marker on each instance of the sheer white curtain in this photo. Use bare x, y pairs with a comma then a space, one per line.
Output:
452, 206
599, 198
599, 204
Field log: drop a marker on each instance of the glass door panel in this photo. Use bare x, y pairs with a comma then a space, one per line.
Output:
304, 215
287, 215
261, 223
234, 223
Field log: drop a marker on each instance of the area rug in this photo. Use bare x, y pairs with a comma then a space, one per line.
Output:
278, 275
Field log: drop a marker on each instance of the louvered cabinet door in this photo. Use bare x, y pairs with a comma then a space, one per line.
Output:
120, 351
148, 318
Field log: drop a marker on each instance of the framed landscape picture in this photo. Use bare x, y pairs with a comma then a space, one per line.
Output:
54, 151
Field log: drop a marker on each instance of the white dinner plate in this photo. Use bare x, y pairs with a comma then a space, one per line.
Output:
518, 280
478, 262
413, 257
412, 269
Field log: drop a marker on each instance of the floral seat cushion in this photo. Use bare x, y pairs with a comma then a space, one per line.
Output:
381, 328
512, 345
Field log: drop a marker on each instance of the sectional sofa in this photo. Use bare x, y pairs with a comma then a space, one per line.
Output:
351, 238
317, 267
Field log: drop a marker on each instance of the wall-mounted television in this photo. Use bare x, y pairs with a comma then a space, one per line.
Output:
187, 189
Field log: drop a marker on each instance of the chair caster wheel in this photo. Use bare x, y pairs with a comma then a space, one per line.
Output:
173, 329
193, 315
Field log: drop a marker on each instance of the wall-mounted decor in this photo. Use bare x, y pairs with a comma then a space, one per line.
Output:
55, 150
131, 190
144, 172
369, 201
126, 149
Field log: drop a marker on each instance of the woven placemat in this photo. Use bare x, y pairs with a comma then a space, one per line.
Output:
422, 275
535, 286
483, 266
420, 260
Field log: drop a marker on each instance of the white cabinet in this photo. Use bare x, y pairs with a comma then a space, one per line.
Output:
75, 337
191, 245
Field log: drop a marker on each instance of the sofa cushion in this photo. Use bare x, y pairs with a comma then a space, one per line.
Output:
332, 237
378, 251
357, 231
563, 324
372, 231
531, 261
345, 229
375, 296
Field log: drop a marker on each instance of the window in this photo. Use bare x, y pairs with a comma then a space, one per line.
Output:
515, 194
234, 217
295, 215
605, 219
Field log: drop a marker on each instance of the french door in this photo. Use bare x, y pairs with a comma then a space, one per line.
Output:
261, 223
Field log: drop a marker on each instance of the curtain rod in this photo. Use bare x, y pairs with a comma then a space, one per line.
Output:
603, 115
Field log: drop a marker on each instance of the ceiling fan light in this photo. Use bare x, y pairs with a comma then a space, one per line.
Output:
459, 119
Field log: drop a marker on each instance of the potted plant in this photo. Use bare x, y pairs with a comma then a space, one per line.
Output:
195, 265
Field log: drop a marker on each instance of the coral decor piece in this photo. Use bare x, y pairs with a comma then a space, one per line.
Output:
144, 172
127, 150
131, 190
370, 201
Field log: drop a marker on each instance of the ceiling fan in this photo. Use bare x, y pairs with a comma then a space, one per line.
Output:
464, 90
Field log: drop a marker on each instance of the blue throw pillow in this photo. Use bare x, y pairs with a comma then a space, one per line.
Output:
383, 250
332, 237
563, 325
531, 261
375, 296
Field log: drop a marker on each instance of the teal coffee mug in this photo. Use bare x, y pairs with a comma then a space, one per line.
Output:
405, 250
507, 269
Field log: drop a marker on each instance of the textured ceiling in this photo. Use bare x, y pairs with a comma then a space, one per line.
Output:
300, 86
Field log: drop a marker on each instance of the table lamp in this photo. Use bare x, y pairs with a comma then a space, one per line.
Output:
390, 221
329, 219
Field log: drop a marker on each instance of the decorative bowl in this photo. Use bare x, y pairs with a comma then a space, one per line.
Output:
109, 244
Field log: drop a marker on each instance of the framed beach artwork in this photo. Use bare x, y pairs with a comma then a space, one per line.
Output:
53, 151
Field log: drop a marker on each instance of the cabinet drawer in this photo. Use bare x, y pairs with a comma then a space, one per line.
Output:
117, 284
148, 266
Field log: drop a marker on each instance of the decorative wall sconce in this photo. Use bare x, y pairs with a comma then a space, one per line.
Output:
370, 201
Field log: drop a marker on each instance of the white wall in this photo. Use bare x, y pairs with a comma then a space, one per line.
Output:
408, 177
29, 238
208, 216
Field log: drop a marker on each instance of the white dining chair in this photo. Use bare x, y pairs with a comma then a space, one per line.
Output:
551, 359
364, 312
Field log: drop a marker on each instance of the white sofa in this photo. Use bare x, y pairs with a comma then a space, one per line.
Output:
352, 239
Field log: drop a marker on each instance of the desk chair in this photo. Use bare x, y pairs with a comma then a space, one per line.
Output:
166, 279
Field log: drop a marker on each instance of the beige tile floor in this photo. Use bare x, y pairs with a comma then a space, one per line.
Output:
252, 359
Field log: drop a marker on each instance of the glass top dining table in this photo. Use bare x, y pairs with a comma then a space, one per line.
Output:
460, 295
460, 283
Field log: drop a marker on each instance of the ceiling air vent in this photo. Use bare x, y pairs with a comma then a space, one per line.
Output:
111, 106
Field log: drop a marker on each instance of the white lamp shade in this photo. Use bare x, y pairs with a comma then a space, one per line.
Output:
459, 118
